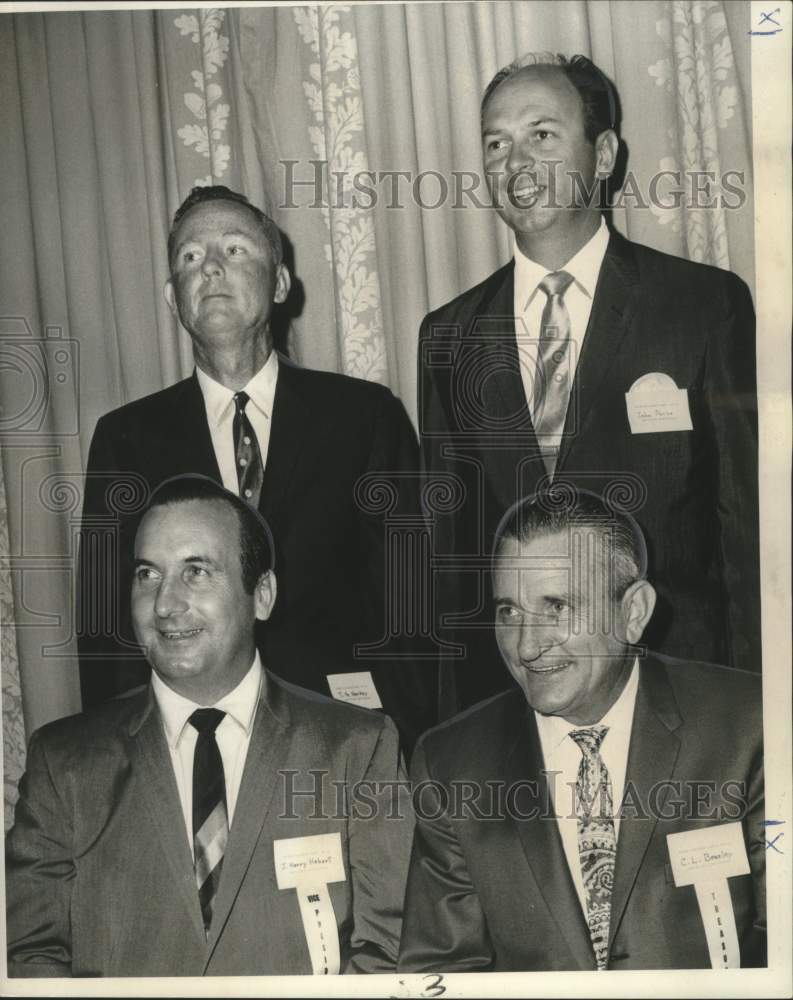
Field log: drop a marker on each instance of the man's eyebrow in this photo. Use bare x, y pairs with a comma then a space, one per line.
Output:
541, 120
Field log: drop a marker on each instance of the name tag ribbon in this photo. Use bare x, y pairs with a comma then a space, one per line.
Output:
706, 859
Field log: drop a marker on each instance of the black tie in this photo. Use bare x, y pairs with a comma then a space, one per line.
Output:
210, 818
247, 457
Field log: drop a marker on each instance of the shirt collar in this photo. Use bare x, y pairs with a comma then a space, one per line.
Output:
218, 400
555, 729
240, 703
584, 266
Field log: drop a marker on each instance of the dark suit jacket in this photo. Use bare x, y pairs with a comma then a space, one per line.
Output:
99, 876
487, 895
694, 493
327, 431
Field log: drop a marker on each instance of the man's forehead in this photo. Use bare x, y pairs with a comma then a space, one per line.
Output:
577, 549
218, 217
538, 87
172, 529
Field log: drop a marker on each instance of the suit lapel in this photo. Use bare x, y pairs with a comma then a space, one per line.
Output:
151, 759
267, 755
186, 435
541, 841
612, 308
293, 413
652, 755
491, 368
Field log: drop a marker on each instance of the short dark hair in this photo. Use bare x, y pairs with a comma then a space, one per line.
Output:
255, 541
596, 91
561, 507
219, 192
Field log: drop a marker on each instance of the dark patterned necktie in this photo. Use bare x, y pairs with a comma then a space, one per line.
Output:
552, 379
597, 842
247, 457
210, 819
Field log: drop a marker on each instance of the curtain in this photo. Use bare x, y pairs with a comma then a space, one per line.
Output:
358, 127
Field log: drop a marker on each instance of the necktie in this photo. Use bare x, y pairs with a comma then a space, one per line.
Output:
552, 380
210, 819
247, 457
597, 842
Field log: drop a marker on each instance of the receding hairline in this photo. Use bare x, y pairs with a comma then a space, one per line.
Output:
536, 69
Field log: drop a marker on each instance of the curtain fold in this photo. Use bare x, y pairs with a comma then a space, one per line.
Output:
358, 126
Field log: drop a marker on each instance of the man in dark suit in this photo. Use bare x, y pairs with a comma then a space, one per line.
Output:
156, 835
297, 444
596, 361
559, 824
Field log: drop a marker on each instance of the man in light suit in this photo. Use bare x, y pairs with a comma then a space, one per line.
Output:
299, 443
542, 829
524, 379
146, 831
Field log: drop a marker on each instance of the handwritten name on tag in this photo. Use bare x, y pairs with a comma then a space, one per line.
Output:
655, 405
356, 688
710, 854
308, 861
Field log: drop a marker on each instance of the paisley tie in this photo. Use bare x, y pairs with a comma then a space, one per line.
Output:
597, 842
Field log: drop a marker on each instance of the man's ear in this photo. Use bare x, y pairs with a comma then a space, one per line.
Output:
264, 595
606, 148
170, 297
283, 283
638, 603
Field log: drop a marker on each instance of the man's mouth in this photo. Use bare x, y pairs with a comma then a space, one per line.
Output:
546, 669
179, 635
524, 191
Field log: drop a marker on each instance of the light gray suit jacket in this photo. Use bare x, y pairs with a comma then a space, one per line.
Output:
98, 865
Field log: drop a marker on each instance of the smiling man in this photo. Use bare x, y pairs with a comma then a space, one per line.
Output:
599, 362
151, 834
543, 822
290, 441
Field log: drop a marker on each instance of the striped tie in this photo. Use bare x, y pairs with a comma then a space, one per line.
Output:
210, 819
552, 382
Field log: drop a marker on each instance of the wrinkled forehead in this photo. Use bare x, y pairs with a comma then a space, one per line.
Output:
218, 218
570, 561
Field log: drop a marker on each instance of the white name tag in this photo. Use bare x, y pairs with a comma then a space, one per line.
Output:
706, 859
301, 861
357, 688
655, 405
308, 864
714, 852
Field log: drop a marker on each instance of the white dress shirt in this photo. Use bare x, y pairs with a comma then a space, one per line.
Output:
561, 754
233, 736
219, 403
530, 301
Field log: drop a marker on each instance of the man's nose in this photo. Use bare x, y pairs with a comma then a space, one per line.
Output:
212, 263
536, 638
171, 598
520, 156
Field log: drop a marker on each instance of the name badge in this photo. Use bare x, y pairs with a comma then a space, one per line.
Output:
356, 688
655, 404
706, 858
715, 852
307, 865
